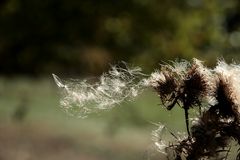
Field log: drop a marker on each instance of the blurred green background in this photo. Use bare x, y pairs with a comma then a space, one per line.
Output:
80, 39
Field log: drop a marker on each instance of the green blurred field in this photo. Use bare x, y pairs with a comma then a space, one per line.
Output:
33, 126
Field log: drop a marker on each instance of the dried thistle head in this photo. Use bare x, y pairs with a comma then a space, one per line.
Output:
168, 81
167, 86
227, 92
199, 83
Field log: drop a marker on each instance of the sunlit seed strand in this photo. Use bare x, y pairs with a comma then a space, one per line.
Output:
158, 141
114, 87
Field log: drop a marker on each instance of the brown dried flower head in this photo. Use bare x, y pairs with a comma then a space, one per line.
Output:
198, 85
227, 93
168, 82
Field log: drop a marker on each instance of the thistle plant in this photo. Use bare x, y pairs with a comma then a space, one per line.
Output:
189, 85
210, 136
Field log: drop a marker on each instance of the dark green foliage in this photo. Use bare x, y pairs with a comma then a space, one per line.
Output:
60, 35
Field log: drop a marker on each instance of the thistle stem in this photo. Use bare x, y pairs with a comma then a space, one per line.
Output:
187, 121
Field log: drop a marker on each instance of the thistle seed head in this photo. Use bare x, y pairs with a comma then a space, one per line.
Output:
199, 84
227, 92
